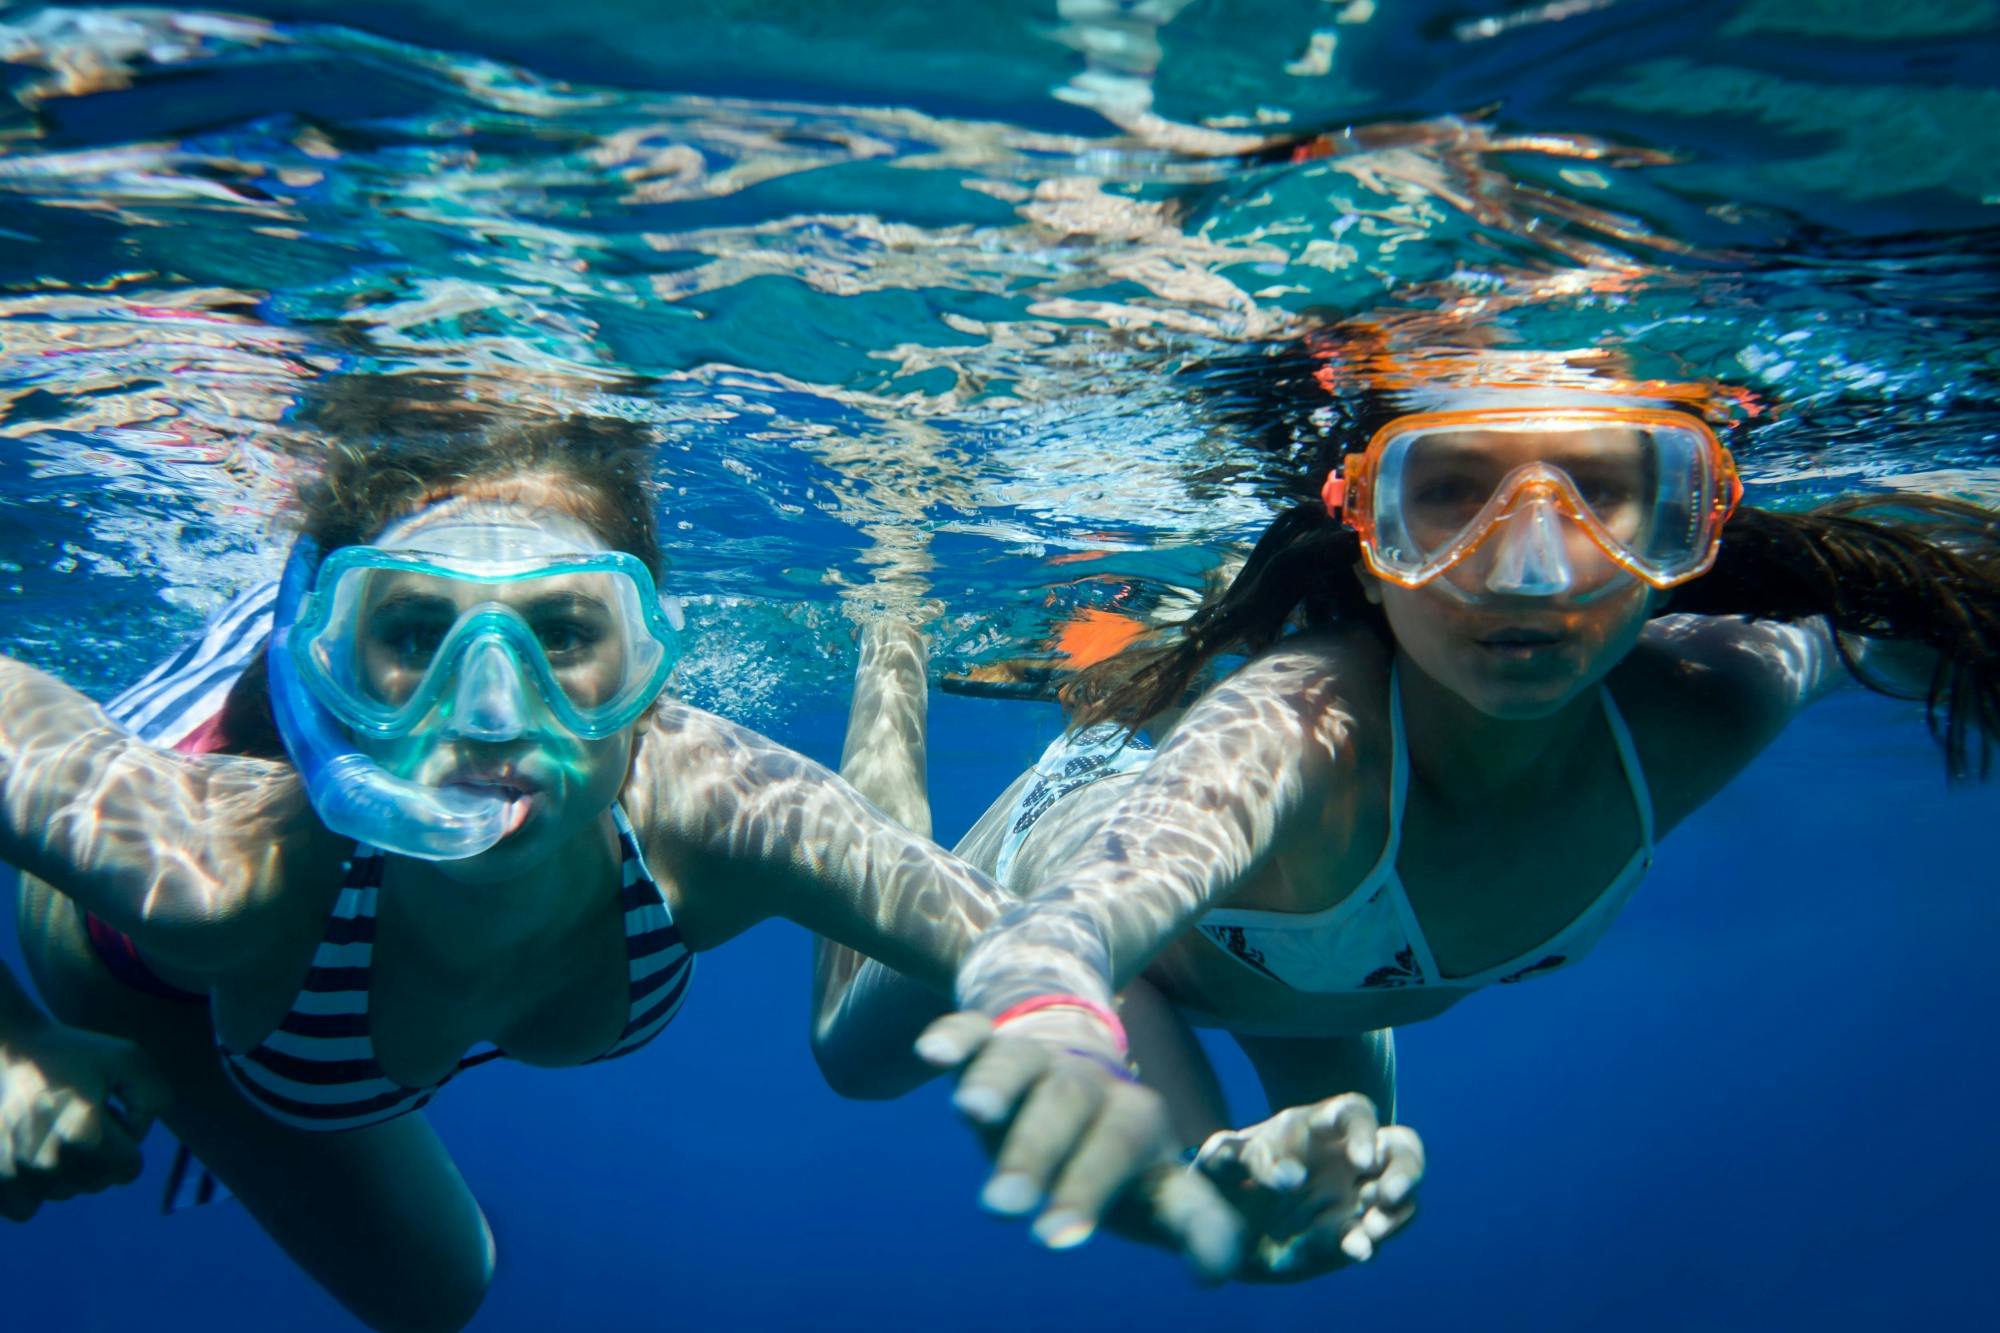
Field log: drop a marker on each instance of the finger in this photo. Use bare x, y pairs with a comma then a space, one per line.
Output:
1274, 1166
1128, 1136
1186, 1209
1402, 1164
952, 1040
1052, 1123
1382, 1223
1349, 1119
994, 1083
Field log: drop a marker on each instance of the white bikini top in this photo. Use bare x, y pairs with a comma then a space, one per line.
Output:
1370, 940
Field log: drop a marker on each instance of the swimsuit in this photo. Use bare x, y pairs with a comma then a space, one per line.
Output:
1071, 763
317, 1069
1371, 939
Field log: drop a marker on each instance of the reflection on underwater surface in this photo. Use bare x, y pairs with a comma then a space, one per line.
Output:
1014, 321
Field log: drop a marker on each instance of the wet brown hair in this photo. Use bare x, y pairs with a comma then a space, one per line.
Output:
393, 444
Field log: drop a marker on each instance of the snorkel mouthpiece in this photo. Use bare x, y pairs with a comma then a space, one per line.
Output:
352, 794
1531, 561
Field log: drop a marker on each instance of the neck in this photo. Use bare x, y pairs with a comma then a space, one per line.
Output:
1464, 757
473, 929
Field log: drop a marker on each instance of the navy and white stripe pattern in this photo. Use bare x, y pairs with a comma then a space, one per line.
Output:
317, 1070
187, 689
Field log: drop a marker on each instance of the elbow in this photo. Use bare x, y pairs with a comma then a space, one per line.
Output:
864, 1076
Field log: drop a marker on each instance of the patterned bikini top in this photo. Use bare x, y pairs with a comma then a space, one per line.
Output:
317, 1069
1371, 939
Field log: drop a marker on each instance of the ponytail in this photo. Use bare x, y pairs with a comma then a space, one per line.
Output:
1909, 569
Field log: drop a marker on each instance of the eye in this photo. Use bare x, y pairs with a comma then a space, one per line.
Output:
1450, 493
1606, 492
565, 636
410, 638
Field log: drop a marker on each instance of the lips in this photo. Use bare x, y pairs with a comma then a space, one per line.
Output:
1521, 643
517, 790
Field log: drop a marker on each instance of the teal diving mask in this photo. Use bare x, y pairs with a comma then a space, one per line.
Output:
486, 632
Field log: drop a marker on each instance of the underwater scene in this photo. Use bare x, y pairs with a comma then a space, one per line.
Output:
1020, 321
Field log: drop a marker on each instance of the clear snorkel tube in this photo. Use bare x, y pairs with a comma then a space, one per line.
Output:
352, 794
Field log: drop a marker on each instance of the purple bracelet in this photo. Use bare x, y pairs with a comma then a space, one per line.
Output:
1116, 1068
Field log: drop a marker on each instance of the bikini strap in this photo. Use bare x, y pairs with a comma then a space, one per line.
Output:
1399, 761
1635, 773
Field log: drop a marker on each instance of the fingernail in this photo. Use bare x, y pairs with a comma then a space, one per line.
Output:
1288, 1175
981, 1104
1356, 1246
1362, 1153
939, 1049
1009, 1194
1063, 1230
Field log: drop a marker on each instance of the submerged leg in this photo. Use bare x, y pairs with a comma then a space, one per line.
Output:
866, 1017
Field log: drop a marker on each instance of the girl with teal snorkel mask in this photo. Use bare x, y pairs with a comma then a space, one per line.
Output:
501, 839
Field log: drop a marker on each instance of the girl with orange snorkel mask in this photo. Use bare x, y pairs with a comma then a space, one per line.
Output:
1509, 643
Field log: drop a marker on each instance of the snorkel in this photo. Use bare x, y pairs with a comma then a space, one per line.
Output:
352, 794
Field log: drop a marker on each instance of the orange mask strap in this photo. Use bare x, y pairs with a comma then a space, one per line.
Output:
1334, 493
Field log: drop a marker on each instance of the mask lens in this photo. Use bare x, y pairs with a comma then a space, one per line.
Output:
1642, 487
396, 636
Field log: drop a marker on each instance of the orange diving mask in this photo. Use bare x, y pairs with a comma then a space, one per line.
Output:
1650, 489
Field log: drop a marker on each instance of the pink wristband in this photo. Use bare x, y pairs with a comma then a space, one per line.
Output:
1101, 1012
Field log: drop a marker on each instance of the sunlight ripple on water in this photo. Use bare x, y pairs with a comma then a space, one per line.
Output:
906, 347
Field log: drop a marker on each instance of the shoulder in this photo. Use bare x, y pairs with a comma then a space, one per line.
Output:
1312, 710
1704, 695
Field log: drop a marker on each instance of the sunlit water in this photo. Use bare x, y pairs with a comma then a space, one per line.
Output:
973, 306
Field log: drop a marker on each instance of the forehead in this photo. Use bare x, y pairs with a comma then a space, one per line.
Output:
456, 520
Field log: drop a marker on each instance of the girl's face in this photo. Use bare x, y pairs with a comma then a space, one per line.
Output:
1519, 658
557, 784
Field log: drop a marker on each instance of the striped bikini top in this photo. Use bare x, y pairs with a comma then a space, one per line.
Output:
317, 1069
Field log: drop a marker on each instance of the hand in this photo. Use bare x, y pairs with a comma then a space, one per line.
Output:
73, 1107
1319, 1185
1071, 1139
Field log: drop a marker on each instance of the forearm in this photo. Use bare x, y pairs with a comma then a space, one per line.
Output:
791, 839
1297, 1071
1204, 816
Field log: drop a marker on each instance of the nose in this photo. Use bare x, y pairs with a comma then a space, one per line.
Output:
488, 704
1530, 561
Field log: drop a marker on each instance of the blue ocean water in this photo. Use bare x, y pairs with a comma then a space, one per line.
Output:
977, 309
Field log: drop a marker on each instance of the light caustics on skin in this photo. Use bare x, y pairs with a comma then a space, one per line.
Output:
99, 808
1146, 873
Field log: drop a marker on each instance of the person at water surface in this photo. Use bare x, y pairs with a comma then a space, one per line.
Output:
1507, 646
461, 818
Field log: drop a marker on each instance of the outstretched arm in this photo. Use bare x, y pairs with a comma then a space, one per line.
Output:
758, 830
1207, 813
173, 850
